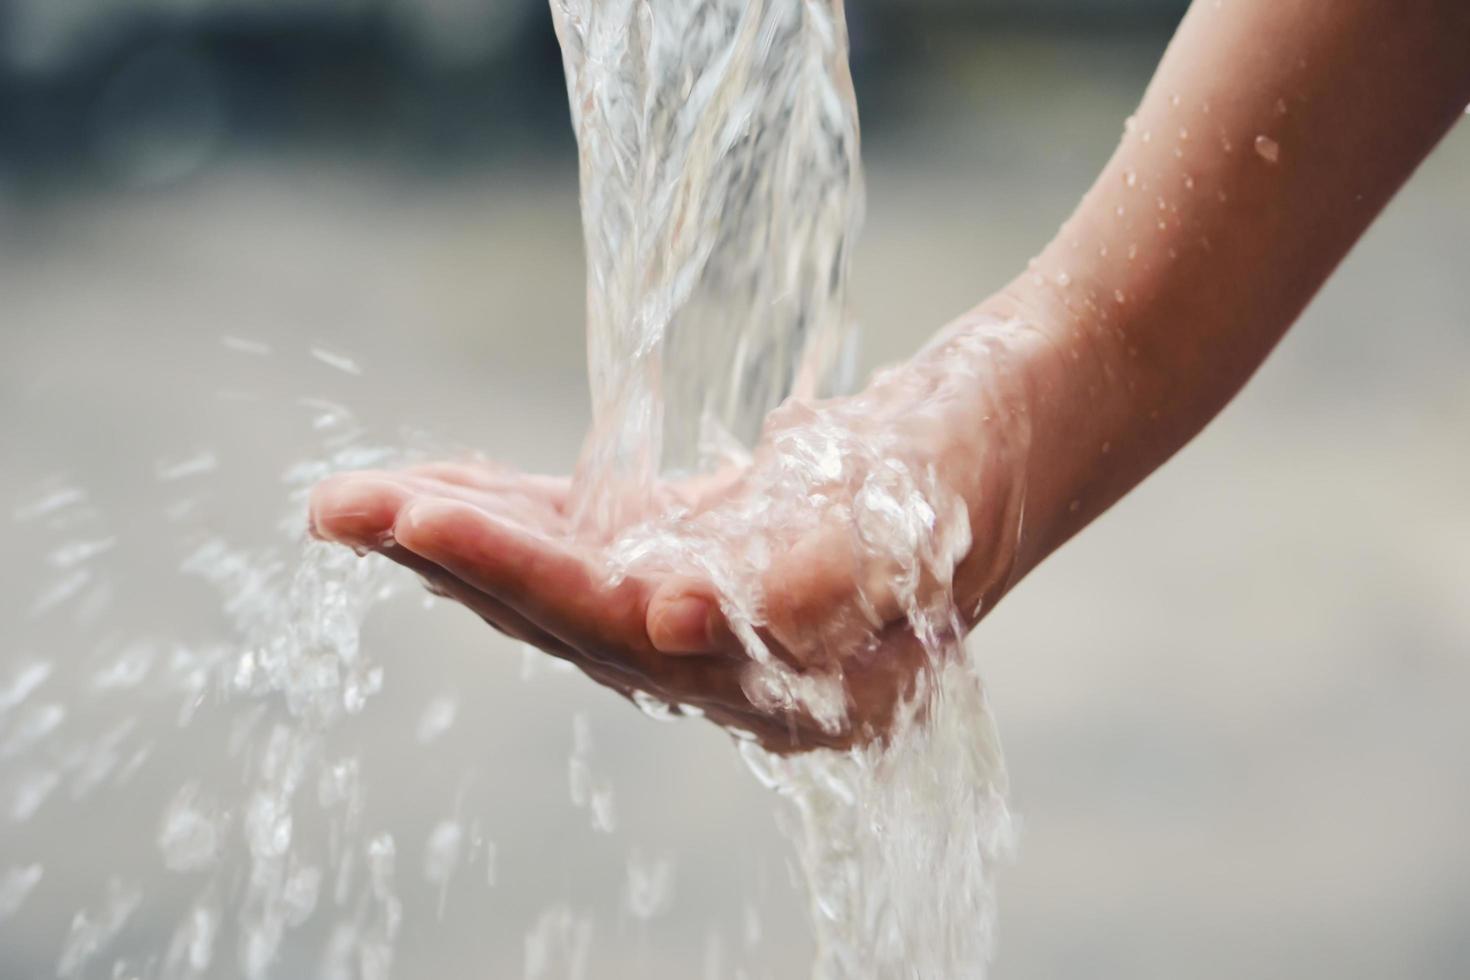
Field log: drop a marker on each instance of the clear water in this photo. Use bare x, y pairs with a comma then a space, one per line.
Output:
721, 191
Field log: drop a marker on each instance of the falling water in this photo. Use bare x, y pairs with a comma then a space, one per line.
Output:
720, 190
721, 195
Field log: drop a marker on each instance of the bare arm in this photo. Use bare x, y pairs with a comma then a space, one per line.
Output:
1270, 138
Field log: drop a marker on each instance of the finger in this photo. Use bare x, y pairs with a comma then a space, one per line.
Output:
684, 617
523, 505
542, 579
496, 479
359, 507
355, 509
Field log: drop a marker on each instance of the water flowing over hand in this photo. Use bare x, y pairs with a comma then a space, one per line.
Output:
835, 553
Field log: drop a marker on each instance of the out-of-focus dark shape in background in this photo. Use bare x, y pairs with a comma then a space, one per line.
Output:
147, 92
1234, 708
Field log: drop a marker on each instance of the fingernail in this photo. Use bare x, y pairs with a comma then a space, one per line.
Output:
350, 512
684, 625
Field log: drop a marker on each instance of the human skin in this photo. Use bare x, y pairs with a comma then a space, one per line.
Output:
1271, 136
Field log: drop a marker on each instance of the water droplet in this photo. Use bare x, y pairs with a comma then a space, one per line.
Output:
1119, 297
332, 359
243, 346
579, 773
190, 836
1119, 211
268, 826
15, 887
381, 855
1268, 149
1131, 123
441, 851
1184, 133
1064, 279
1280, 107
201, 929
61, 591
437, 718
1132, 251
604, 810
76, 552
559, 936
1174, 100
492, 853
1130, 178
50, 503
1148, 136
32, 728
1188, 182
653, 707
30, 791
650, 885
91, 932
298, 899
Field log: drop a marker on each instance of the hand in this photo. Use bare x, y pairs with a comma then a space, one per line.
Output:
836, 552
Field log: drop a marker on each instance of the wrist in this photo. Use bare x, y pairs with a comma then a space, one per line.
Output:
969, 412
1072, 381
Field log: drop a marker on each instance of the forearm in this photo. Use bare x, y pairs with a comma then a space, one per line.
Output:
1272, 134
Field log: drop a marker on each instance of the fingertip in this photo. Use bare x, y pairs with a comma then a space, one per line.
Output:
354, 510
684, 622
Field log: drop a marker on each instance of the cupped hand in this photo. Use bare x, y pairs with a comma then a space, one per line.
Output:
850, 531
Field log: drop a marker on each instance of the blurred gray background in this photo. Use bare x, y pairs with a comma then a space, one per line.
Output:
1234, 709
